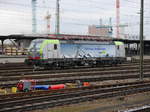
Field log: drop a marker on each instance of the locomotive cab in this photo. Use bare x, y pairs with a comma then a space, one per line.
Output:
120, 51
50, 49
34, 49
40, 49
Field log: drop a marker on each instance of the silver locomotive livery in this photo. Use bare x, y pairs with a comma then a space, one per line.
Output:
61, 53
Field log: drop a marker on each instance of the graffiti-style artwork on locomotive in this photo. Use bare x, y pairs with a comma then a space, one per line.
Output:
50, 52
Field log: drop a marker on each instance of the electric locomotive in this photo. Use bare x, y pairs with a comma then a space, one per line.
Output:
60, 53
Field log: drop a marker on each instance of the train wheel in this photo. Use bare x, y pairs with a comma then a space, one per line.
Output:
26, 90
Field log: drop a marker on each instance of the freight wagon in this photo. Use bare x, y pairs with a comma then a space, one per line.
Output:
29, 85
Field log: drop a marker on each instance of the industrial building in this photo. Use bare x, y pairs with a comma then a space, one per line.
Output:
99, 30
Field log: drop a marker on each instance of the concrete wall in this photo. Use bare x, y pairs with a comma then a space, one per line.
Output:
23, 43
12, 59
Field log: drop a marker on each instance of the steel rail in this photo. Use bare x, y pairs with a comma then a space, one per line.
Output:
37, 93
71, 74
139, 109
70, 98
10, 73
14, 67
27, 71
91, 78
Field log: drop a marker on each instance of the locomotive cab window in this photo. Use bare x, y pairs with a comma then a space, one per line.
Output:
118, 47
55, 46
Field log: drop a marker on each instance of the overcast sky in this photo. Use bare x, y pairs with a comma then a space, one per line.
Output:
76, 15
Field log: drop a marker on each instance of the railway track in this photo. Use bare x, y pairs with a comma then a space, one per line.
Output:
71, 74
25, 103
139, 109
81, 78
44, 99
12, 66
20, 68
90, 74
29, 71
36, 93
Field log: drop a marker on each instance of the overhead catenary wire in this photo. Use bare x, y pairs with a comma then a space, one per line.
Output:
92, 3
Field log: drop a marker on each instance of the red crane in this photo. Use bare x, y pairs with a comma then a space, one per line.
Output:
117, 18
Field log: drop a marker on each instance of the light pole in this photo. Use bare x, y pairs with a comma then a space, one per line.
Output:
57, 17
141, 38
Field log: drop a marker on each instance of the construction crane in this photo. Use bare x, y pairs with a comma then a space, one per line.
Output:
117, 18
48, 17
34, 25
57, 28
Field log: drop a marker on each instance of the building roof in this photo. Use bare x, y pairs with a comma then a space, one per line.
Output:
71, 37
60, 37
